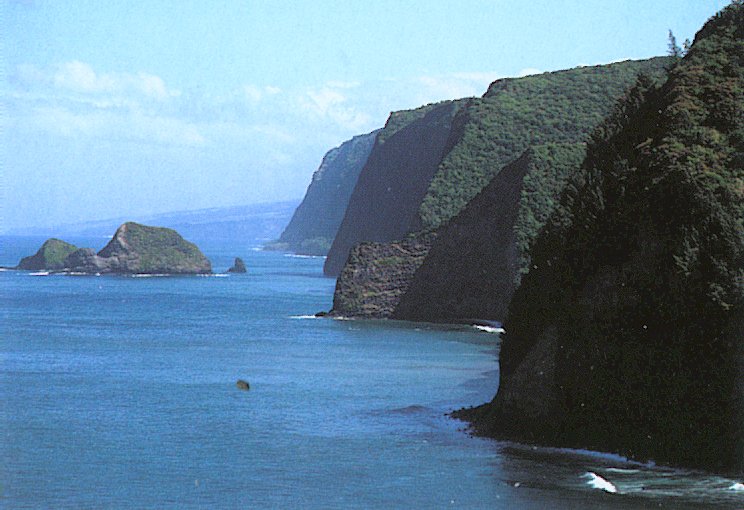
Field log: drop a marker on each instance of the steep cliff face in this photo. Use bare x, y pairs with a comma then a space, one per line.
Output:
518, 113
385, 201
478, 258
627, 335
317, 219
486, 134
376, 275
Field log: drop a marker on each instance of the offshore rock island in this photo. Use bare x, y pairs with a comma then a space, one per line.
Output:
134, 249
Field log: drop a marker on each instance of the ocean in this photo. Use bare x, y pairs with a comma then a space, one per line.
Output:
120, 392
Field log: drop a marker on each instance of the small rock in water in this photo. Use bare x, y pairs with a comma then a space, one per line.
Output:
238, 266
242, 385
321, 314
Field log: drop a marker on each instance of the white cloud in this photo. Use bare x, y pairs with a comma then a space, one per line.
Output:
321, 101
252, 93
76, 77
133, 126
329, 103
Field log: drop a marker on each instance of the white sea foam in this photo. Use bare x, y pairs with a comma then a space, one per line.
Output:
301, 317
490, 329
739, 487
214, 275
143, 275
623, 471
597, 482
298, 256
39, 273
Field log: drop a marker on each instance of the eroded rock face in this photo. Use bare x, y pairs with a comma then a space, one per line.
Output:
384, 204
85, 260
376, 275
479, 257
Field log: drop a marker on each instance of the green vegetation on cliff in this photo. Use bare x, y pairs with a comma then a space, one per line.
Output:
516, 113
627, 334
478, 258
50, 256
317, 219
139, 248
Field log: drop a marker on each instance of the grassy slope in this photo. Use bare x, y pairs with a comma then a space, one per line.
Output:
516, 113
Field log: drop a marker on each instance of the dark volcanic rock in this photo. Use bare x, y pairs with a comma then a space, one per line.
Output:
51, 256
376, 275
238, 266
85, 260
242, 385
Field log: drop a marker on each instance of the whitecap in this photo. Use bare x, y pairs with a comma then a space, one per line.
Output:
490, 329
597, 482
300, 317
623, 471
298, 256
737, 487
214, 275
39, 273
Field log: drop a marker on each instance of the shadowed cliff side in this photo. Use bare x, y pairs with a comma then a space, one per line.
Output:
479, 257
626, 335
389, 190
487, 134
317, 219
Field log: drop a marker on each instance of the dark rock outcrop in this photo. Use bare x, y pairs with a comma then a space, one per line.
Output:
85, 260
384, 203
243, 385
238, 266
317, 219
628, 333
376, 276
51, 256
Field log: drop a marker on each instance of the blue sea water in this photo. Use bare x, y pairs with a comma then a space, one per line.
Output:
119, 392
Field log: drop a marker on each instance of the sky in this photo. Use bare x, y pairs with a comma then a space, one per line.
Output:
133, 107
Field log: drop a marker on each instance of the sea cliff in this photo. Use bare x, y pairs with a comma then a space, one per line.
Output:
627, 334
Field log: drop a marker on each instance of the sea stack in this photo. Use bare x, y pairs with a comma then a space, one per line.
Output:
238, 266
